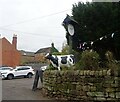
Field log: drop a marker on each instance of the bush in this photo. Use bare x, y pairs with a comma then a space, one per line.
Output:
50, 67
63, 68
112, 63
109, 56
89, 60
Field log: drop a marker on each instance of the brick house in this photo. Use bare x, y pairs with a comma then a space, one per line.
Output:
40, 54
27, 57
9, 55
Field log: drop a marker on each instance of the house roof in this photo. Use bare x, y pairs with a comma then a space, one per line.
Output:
5, 42
27, 53
10, 53
44, 50
4, 39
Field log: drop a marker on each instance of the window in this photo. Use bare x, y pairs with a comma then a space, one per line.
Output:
23, 68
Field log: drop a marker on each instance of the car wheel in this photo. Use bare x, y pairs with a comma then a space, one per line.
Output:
29, 75
10, 77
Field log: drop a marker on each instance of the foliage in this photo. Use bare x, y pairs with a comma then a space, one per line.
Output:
56, 53
97, 19
50, 67
109, 56
112, 63
89, 60
53, 49
65, 49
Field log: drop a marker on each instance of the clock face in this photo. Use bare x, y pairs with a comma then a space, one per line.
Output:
70, 29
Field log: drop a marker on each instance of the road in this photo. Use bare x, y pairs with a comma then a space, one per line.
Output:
21, 89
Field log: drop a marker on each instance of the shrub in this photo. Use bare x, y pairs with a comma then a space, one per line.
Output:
50, 67
109, 56
89, 60
112, 63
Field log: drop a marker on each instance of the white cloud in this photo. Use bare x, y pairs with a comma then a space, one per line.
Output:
27, 19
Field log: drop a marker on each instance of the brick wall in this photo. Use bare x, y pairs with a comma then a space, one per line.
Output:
102, 85
10, 56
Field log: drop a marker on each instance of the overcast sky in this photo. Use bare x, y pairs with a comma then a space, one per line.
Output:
37, 23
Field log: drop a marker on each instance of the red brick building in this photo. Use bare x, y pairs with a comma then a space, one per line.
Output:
9, 55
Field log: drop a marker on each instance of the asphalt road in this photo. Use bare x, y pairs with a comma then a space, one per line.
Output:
21, 89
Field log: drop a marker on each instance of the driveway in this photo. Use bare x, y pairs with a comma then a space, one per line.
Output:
21, 89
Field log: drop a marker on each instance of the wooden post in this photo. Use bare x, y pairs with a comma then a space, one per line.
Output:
70, 44
38, 74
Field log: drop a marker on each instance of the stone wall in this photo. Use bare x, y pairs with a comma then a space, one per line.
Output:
102, 85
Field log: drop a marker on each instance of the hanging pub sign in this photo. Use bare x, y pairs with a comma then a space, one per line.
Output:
69, 23
71, 30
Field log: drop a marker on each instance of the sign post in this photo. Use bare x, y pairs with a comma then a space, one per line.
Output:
39, 74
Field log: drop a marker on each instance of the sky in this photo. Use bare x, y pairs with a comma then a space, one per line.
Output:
37, 23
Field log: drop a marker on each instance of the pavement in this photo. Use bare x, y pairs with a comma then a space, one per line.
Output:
21, 89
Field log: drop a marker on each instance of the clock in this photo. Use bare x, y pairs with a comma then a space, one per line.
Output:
71, 29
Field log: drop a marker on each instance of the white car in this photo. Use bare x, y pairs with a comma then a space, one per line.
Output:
26, 71
3, 69
43, 68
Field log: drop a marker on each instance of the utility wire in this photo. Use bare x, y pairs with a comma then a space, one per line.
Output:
34, 34
25, 21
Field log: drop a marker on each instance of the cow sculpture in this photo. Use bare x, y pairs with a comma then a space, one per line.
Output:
61, 60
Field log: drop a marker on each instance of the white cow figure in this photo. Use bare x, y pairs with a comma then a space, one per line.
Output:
61, 60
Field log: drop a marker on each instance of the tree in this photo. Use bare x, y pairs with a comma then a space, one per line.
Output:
97, 19
65, 49
53, 49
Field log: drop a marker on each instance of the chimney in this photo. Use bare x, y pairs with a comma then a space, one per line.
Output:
14, 41
52, 44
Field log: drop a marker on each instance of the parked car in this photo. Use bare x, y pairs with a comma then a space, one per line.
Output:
2, 69
43, 68
26, 71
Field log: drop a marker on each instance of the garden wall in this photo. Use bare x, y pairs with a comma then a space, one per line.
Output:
85, 85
